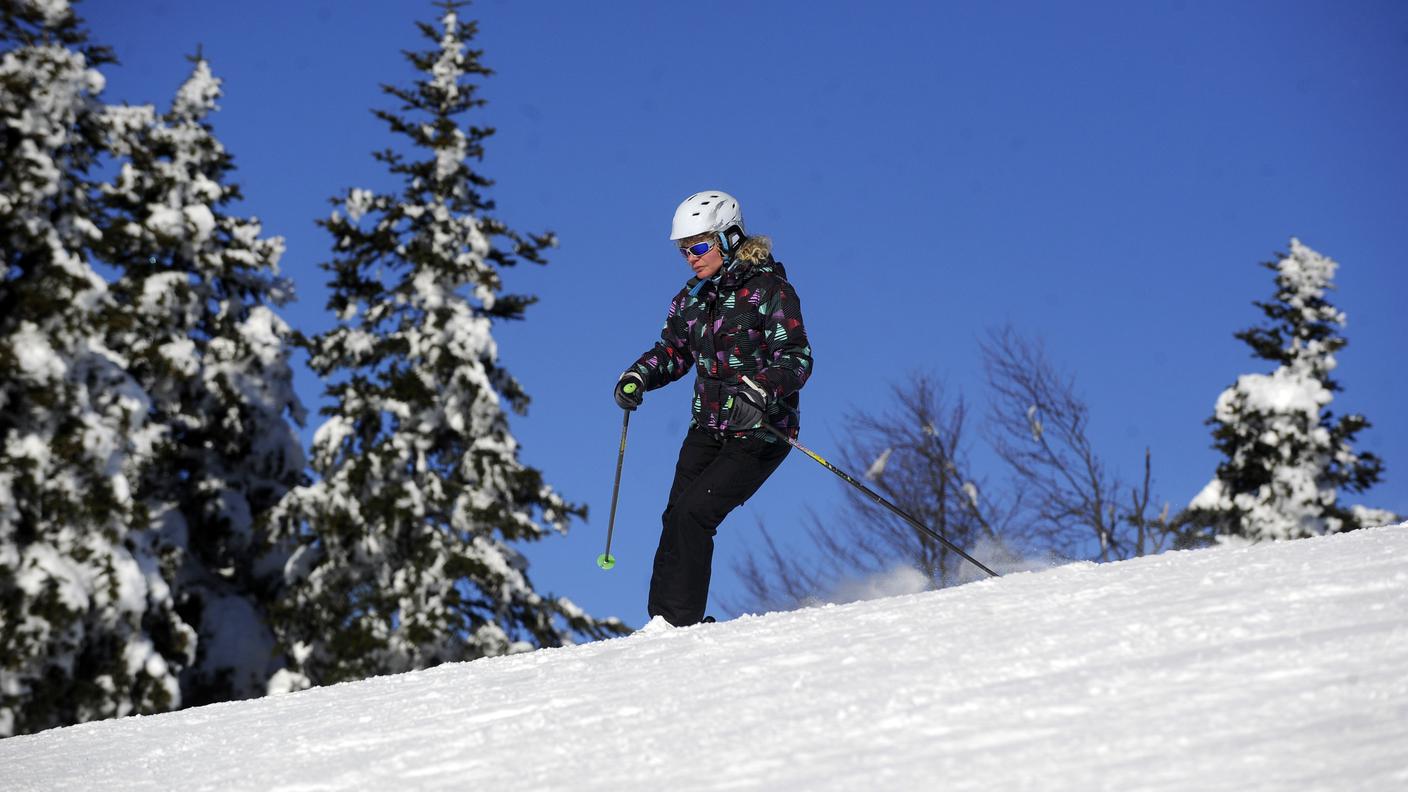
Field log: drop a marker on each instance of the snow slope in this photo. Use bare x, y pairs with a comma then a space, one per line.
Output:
1279, 666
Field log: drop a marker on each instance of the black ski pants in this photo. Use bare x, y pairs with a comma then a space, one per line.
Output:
714, 474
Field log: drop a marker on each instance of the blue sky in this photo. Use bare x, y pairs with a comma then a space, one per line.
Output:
1103, 175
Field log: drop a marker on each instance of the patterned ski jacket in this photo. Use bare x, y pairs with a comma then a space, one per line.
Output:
746, 320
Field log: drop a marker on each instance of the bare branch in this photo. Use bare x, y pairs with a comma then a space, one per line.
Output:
926, 473
1039, 427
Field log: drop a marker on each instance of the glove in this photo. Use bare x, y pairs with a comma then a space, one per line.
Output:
747, 406
629, 391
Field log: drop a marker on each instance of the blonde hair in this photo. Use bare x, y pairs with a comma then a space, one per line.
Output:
754, 250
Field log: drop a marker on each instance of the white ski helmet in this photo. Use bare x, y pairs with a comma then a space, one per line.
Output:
711, 210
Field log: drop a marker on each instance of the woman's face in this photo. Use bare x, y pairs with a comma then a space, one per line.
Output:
707, 265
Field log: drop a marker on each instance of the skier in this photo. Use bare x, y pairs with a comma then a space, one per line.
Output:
738, 323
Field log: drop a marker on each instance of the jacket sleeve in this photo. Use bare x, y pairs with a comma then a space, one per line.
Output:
786, 338
671, 357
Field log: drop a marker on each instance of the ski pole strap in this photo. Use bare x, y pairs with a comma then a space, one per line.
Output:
880, 500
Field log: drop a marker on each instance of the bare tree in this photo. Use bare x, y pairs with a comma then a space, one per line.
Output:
1039, 427
916, 456
1060, 500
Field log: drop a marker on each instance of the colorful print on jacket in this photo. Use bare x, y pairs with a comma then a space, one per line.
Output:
746, 321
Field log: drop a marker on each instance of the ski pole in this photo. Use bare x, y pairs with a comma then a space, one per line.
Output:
875, 496
606, 560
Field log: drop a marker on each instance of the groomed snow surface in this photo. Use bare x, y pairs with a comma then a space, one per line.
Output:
1278, 666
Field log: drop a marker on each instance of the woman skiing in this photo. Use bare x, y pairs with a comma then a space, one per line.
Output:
738, 324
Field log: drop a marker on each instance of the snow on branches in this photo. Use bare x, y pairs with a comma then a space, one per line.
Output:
1286, 454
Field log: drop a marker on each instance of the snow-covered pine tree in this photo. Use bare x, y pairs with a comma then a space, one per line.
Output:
88, 628
1286, 454
197, 287
407, 556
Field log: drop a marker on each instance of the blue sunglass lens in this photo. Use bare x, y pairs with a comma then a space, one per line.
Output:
697, 250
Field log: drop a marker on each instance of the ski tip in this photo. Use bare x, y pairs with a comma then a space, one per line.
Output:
606, 561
